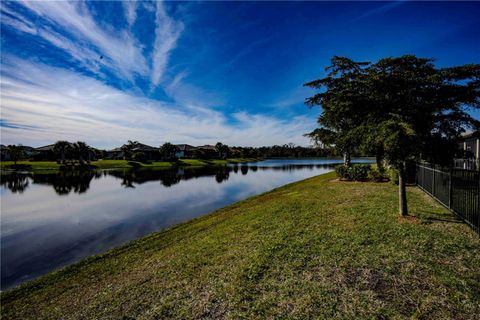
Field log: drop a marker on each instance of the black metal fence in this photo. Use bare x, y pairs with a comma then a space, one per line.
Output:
469, 164
456, 189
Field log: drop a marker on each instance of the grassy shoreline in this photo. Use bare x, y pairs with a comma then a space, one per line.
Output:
317, 248
123, 164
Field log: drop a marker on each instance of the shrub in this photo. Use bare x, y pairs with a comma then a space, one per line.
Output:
342, 172
393, 173
359, 172
138, 156
377, 175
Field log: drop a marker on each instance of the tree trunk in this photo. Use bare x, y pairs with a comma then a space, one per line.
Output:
402, 193
379, 159
347, 158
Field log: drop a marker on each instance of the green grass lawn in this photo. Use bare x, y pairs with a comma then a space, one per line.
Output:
318, 249
113, 164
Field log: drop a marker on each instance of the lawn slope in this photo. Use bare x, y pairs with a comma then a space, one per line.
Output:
318, 248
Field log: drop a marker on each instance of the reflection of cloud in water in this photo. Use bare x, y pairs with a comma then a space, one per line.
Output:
42, 230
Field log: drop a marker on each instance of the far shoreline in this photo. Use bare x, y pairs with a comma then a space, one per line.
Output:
9, 166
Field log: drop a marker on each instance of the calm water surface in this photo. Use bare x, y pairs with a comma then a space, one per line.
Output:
51, 220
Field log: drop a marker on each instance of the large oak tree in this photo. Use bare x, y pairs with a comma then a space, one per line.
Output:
403, 108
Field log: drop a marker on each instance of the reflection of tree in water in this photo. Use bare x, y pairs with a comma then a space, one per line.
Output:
67, 181
15, 182
169, 177
132, 176
244, 169
222, 174
64, 182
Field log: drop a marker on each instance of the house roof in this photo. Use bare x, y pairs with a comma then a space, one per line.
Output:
136, 147
144, 147
45, 148
185, 147
206, 147
471, 134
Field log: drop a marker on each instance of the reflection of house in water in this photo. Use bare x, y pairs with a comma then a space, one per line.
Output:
169, 177
78, 181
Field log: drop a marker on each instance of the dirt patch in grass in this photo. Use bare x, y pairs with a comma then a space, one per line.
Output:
409, 219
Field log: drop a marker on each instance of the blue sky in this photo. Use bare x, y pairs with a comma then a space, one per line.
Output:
200, 72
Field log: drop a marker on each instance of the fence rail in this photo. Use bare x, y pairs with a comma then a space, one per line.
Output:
468, 164
456, 189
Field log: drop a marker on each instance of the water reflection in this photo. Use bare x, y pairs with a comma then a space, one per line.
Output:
52, 220
75, 181
15, 182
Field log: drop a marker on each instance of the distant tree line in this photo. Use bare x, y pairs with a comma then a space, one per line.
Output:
80, 153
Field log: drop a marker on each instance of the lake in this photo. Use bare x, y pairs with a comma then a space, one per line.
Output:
50, 220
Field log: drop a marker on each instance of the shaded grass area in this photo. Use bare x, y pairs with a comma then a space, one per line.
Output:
318, 248
115, 164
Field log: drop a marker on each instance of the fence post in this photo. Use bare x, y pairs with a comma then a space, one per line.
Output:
450, 189
433, 180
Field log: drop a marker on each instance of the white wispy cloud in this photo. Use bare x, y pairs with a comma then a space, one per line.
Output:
130, 7
167, 32
17, 21
378, 10
118, 49
75, 107
95, 45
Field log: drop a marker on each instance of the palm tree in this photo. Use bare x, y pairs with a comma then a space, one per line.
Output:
62, 148
15, 152
167, 151
127, 149
82, 150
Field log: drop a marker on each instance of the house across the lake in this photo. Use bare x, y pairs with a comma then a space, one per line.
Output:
149, 152
185, 151
45, 153
114, 154
208, 151
469, 144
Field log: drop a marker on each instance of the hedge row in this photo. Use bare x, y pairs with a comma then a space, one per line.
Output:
364, 172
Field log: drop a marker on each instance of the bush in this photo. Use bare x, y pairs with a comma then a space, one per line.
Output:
138, 156
342, 172
393, 173
359, 172
377, 175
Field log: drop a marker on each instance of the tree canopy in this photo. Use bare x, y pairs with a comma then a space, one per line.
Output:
402, 108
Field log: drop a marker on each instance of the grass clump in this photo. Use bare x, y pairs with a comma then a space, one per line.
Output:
315, 249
